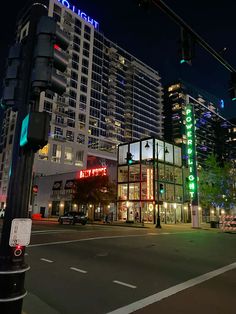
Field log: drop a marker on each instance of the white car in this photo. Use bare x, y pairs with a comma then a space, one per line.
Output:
2, 213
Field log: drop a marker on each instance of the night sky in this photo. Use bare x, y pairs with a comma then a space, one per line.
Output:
153, 37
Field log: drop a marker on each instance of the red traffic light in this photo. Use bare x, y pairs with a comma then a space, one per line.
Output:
35, 189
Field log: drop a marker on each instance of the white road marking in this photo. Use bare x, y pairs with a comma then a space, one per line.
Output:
38, 232
46, 260
124, 284
78, 270
101, 238
172, 290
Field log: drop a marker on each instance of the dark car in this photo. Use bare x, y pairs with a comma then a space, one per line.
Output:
73, 217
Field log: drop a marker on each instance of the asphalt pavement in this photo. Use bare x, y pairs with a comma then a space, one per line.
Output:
212, 295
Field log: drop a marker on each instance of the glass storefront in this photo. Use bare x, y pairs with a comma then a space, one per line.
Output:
154, 176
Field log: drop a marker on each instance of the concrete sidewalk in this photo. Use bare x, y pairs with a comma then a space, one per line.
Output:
179, 226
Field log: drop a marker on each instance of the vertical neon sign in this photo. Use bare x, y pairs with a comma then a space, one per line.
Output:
191, 152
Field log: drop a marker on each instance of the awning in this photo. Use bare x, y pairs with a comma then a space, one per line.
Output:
70, 184
57, 185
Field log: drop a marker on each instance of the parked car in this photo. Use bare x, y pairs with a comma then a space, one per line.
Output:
73, 217
2, 213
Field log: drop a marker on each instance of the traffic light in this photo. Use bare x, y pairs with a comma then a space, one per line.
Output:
11, 96
50, 56
129, 158
145, 4
161, 188
187, 46
35, 130
232, 89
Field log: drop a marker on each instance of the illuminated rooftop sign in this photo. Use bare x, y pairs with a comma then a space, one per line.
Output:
80, 13
92, 173
191, 152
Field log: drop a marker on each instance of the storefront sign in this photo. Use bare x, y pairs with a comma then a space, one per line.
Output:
92, 172
191, 152
80, 13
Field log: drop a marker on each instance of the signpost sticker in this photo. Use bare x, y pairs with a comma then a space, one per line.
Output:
20, 232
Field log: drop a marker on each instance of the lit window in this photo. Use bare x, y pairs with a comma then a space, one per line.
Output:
43, 153
68, 155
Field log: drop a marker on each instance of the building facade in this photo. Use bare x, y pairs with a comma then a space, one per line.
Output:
111, 98
211, 128
150, 182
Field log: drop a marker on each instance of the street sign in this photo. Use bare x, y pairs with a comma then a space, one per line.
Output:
20, 232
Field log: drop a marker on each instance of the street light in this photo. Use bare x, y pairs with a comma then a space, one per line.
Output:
158, 221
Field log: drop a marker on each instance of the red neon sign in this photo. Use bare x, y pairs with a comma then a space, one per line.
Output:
92, 172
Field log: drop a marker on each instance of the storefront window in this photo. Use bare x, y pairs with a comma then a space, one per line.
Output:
169, 173
169, 192
177, 155
159, 150
161, 170
123, 149
134, 191
123, 174
122, 191
144, 190
169, 153
134, 173
148, 212
147, 149
178, 175
135, 151
178, 193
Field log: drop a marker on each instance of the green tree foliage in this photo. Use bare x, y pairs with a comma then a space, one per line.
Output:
216, 184
94, 190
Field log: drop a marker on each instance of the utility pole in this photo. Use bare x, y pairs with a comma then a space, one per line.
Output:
42, 58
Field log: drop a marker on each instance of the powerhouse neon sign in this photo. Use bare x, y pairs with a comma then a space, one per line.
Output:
191, 151
80, 13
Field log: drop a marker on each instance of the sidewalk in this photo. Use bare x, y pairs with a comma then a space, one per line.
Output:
204, 226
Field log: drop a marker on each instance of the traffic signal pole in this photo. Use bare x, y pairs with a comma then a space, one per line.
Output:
177, 19
12, 263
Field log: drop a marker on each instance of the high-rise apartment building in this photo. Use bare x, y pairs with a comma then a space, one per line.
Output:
111, 98
211, 128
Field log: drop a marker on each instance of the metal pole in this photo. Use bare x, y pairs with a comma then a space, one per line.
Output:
158, 222
13, 268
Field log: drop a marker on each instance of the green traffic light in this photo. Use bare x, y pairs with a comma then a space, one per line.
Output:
182, 61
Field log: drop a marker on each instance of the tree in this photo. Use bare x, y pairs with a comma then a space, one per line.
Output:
216, 184
94, 190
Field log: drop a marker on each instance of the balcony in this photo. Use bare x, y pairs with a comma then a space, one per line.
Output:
59, 137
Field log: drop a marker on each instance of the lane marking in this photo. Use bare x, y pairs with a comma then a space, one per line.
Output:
102, 238
46, 260
171, 291
79, 270
124, 284
38, 232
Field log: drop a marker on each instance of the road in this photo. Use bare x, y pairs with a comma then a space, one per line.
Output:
96, 269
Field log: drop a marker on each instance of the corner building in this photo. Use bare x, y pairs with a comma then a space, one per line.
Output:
111, 98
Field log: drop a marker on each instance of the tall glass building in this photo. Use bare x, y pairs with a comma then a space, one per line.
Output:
211, 127
111, 98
